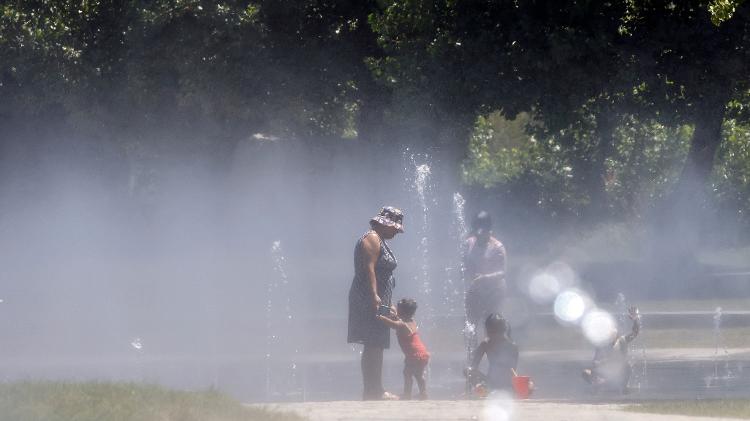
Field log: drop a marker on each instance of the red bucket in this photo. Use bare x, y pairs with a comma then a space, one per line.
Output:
521, 385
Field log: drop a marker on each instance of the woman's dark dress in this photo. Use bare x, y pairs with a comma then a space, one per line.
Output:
364, 327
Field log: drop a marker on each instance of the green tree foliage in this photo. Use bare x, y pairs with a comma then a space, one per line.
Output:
583, 68
691, 69
502, 155
627, 96
499, 150
731, 176
292, 68
722, 10
645, 163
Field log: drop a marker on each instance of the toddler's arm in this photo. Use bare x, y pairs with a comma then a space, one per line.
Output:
393, 324
635, 316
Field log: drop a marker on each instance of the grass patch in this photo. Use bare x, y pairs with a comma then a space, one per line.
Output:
724, 408
51, 401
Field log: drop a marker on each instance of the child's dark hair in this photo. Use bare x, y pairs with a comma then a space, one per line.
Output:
496, 323
406, 307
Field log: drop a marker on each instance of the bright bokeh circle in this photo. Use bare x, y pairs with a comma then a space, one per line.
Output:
599, 327
570, 306
543, 287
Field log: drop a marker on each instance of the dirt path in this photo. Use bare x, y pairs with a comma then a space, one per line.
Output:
439, 410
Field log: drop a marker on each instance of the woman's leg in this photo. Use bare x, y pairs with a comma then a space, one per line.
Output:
377, 370
372, 372
364, 366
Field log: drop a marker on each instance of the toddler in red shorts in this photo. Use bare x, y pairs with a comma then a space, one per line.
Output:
416, 356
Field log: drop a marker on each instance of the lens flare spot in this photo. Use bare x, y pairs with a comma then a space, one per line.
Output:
599, 327
498, 407
570, 306
543, 288
564, 274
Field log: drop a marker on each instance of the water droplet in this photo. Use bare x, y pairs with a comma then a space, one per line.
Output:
137, 344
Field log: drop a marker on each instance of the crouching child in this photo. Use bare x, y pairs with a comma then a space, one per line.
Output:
502, 355
611, 367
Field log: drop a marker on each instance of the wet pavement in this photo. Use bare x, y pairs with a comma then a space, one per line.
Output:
664, 374
451, 410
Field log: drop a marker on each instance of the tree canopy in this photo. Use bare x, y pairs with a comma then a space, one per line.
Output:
592, 108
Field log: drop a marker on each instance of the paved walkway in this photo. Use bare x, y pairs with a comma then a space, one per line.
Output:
445, 410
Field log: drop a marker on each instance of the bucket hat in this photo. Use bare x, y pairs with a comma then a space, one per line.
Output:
390, 217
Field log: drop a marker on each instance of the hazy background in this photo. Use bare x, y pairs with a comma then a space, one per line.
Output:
152, 154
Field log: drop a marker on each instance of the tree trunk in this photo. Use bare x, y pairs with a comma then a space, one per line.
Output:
596, 183
680, 220
371, 124
700, 160
593, 167
375, 97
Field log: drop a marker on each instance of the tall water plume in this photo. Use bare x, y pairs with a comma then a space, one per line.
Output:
281, 349
721, 354
423, 187
454, 288
461, 231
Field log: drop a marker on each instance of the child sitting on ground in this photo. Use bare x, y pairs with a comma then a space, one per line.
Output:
416, 356
611, 366
502, 355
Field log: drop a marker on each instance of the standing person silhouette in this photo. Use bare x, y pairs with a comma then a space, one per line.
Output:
485, 264
370, 294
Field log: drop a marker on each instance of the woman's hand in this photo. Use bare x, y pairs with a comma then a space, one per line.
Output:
376, 301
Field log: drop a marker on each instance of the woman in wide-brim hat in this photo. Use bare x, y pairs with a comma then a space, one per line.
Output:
371, 288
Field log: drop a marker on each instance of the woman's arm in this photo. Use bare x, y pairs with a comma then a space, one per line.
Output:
371, 249
497, 264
